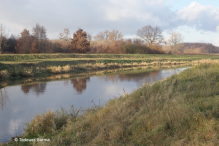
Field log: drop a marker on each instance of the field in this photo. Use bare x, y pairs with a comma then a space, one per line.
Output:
181, 110
29, 65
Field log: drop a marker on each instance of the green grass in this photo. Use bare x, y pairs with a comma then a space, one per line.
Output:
181, 110
32, 57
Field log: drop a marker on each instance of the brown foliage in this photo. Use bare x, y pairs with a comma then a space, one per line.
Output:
108, 42
79, 43
34, 48
24, 43
58, 46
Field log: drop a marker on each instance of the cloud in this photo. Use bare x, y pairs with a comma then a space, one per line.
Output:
217, 42
94, 16
202, 17
124, 15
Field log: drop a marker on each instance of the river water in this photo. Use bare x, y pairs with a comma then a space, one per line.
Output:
20, 103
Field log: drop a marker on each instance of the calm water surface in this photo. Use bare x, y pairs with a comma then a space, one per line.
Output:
20, 103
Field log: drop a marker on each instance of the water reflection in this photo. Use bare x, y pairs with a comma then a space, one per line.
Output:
3, 98
37, 88
80, 84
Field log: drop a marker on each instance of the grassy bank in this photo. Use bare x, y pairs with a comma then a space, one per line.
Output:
29, 65
182, 110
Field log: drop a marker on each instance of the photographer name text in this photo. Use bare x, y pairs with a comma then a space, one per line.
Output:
31, 140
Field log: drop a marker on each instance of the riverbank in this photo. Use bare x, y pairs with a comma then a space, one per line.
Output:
181, 110
77, 75
37, 65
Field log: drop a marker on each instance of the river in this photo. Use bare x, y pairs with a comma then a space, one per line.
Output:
20, 103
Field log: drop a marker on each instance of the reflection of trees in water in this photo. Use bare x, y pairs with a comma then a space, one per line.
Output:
38, 88
80, 84
135, 77
66, 82
3, 97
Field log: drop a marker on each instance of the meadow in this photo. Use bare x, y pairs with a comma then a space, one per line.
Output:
32, 65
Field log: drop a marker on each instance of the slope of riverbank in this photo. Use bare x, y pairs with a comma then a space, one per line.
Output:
181, 110
32, 65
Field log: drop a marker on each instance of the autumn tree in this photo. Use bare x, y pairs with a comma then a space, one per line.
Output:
79, 43
24, 43
108, 42
151, 35
34, 48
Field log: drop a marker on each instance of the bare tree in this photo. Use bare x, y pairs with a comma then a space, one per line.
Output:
174, 39
115, 35
2, 38
89, 37
39, 32
138, 41
66, 36
151, 35
102, 36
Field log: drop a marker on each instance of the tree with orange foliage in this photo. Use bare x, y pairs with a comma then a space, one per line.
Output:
34, 48
79, 43
24, 43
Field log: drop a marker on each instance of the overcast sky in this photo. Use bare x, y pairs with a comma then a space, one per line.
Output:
197, 21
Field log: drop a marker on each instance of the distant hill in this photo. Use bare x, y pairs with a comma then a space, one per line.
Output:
198, 48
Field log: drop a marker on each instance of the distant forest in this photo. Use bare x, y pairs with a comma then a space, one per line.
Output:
149, 41
197, 48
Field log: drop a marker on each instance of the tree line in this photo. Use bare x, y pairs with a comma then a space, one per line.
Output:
149, 40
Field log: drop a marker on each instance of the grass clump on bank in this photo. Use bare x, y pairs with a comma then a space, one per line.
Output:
182, 110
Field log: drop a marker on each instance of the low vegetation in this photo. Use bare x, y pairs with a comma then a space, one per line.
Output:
181, 110
29, 65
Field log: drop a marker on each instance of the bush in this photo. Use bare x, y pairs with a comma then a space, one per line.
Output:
141, 49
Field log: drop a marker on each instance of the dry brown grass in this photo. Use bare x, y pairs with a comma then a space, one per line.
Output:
4, 74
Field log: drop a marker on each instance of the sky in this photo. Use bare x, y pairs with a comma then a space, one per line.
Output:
197, 21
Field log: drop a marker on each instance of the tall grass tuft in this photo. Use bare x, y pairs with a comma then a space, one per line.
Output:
4, 74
